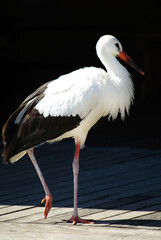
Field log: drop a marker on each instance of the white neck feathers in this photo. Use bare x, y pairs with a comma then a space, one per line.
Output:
121, 85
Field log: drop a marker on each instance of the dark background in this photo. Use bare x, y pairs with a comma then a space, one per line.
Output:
40, 40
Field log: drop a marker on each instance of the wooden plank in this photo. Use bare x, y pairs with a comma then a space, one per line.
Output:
137, 206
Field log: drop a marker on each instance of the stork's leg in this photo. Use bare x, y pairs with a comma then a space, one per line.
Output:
75, 218
48, 198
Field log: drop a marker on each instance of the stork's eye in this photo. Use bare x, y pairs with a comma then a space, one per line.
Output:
117, 45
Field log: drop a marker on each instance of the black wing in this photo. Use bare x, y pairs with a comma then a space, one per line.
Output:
27, 128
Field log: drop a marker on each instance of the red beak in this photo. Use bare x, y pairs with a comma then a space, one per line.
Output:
123, 56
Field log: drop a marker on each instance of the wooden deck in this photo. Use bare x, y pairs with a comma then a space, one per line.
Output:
119, 187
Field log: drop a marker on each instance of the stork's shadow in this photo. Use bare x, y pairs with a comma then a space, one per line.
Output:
124, 223
140, 222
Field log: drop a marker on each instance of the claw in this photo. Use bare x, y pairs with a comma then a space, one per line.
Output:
77, 219
48, 204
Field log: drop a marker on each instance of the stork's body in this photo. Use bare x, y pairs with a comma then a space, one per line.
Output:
69, 107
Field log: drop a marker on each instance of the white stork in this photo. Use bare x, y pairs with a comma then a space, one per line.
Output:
68, 107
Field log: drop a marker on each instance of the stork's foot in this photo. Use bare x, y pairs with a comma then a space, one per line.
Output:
77, 219
48, 204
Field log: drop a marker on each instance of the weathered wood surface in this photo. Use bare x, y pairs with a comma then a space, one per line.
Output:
119, 187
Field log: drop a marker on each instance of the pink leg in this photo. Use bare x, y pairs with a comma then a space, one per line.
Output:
75, 218
48, 198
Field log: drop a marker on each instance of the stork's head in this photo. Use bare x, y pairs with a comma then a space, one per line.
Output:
109, 45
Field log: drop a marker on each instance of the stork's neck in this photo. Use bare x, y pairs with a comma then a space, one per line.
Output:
117, 71
122, 86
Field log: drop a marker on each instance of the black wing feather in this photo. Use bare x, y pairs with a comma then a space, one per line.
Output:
27, 128
35, 129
